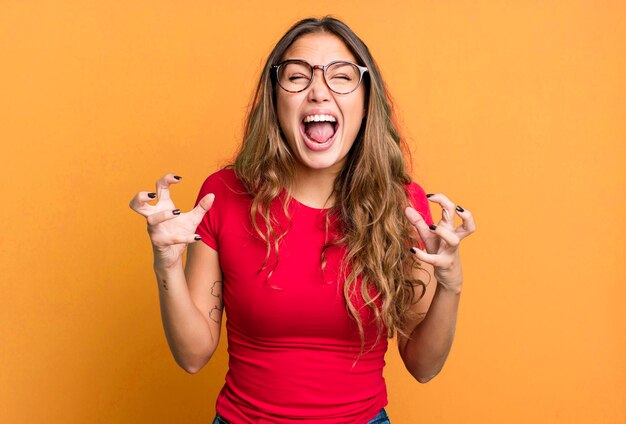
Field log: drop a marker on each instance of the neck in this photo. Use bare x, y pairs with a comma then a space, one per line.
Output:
314, 188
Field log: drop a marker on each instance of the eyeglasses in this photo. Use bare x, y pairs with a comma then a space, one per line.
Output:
341, 77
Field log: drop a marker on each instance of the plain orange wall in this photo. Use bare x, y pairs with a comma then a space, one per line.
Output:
514, 109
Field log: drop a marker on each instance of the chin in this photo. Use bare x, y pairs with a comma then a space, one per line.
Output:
326, 160
321, 165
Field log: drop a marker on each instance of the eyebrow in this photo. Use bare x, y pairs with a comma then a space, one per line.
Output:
304, 60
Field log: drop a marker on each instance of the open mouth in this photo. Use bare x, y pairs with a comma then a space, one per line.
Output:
319, 129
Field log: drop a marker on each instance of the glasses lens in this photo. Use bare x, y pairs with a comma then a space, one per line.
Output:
343, 77
294, 76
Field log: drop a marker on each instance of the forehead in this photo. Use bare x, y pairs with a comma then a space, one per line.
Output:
319, 48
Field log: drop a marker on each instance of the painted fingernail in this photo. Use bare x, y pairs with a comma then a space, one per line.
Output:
152, 195
176, 211
177, 177
429, 195
414, 250
197, 238
460, 209
432, 227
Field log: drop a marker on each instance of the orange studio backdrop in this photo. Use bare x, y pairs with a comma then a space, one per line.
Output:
514, 109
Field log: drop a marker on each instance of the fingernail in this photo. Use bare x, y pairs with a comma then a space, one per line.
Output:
197, 238
432, 227
177, 177
460, 209
428, 195
152, 195
176, 211
413, 250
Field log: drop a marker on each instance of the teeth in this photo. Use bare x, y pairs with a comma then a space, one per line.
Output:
319, 118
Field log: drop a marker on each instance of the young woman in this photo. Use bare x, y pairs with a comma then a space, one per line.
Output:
315, 242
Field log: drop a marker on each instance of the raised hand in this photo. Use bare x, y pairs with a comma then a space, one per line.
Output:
170, 230
442, 240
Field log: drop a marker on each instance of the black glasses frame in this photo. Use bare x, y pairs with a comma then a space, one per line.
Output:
276, 69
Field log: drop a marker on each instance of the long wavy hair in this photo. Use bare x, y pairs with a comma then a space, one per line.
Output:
370, 194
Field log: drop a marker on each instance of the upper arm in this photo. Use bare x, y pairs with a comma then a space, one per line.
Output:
204, 280
418, 309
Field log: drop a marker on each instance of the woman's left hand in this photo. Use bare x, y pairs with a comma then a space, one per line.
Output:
442, 240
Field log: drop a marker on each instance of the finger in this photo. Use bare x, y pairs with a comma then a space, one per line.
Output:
175, 239
202, 208
427, 236
449, 236
447, 213
139, 203
163, 184
439, 261
157, 218
468, 225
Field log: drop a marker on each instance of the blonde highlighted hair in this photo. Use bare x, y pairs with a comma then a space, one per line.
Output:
369, 192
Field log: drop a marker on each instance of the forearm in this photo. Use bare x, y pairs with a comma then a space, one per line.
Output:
427, 349
187, 331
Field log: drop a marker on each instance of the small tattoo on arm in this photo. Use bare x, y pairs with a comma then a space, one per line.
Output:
164, 285
216, 312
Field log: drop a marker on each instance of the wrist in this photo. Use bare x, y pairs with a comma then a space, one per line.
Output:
450, 288
163, 270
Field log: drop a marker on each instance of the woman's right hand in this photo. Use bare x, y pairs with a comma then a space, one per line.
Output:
170, 230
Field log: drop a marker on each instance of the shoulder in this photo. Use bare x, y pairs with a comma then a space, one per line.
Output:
415, 190
224, 184
223, 180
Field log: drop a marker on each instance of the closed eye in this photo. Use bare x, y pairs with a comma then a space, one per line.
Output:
295, 77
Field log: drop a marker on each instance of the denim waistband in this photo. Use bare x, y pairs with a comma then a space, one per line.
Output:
381, 418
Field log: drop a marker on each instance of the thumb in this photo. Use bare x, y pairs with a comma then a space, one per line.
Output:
203, 207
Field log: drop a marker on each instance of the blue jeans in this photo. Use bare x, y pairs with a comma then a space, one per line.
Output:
381, 418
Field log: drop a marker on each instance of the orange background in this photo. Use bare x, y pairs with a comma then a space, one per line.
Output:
514, 109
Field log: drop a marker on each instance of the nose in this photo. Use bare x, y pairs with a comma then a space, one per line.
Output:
319, 90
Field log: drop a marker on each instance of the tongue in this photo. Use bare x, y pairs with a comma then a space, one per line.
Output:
319, 131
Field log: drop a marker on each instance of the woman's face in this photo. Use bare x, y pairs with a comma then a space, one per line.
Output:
320, 146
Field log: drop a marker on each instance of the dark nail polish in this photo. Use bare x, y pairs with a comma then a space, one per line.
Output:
429, 195
177, 177
460, 209
152, 195
197, 238
432, 227
176, 211
413, 250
